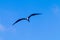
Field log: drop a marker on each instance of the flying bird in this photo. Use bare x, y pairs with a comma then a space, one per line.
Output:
28, 18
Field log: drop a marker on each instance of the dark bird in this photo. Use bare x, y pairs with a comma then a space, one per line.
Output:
28, 18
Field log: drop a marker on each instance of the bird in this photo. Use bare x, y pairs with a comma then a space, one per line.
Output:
28, 18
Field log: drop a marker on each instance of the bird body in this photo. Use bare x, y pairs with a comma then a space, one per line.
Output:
28, 18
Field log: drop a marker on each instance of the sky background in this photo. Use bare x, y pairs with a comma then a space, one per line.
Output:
42, 27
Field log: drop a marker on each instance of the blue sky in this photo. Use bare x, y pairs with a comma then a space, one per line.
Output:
43, 27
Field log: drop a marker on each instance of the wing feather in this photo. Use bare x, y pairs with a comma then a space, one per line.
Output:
19, 20
33, 15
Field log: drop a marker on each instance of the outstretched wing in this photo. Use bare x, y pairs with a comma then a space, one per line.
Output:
19, 20
34, 15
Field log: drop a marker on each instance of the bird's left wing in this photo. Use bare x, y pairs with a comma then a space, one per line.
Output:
18, 20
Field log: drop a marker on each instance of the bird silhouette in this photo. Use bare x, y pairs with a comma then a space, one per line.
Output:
28, 18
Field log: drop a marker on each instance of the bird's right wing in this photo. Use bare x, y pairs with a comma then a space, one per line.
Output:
34, 15
18, 20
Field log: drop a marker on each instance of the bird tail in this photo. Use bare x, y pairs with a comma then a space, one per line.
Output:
28, 20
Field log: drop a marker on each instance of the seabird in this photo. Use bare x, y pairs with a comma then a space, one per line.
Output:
28, 18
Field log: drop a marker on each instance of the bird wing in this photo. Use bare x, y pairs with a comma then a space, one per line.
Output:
19, 20
33, 15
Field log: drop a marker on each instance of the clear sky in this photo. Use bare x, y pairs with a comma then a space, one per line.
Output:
42, 27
